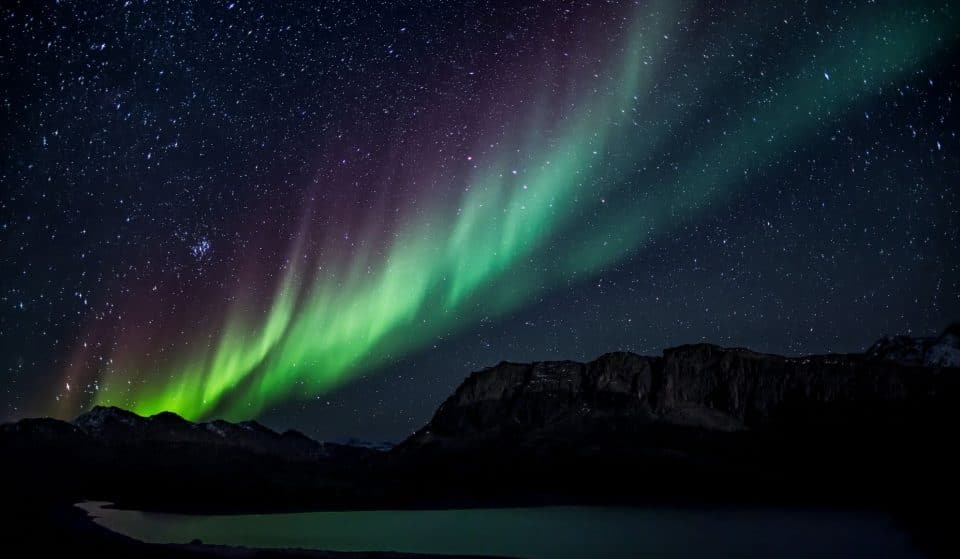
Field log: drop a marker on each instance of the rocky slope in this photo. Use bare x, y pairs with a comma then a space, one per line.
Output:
932, 351
115, 426
678, 424
164, 460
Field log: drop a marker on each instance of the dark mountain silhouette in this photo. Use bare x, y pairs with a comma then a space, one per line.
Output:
115, 426
621, 426
698, 422
164, 460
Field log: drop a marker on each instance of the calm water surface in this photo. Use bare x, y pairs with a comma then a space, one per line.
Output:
540, 533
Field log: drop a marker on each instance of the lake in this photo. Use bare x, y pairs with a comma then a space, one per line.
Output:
540, 533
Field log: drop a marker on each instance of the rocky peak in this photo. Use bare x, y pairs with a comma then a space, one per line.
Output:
256, 427
119, 428
107, 417
168, 418
42, 428
929, 351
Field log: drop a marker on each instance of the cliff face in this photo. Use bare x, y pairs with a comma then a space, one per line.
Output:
702, 386
698, 421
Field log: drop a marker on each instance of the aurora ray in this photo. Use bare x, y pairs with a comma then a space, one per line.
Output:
587, 177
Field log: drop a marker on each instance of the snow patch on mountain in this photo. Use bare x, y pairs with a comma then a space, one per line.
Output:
929, 351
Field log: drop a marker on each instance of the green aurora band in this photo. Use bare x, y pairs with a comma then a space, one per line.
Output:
513, 237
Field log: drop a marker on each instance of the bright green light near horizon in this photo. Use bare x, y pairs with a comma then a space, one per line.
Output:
514, 235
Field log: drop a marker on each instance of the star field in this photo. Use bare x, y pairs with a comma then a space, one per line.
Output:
326, 215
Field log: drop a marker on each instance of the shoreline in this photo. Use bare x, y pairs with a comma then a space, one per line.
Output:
743, 516
56, 527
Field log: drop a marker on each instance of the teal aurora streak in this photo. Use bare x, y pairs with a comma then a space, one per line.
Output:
586, 185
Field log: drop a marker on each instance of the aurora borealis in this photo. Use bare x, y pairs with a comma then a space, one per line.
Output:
271, 212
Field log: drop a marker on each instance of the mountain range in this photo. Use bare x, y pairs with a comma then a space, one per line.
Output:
698, 422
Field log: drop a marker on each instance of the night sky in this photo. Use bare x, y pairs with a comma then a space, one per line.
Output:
325, 216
